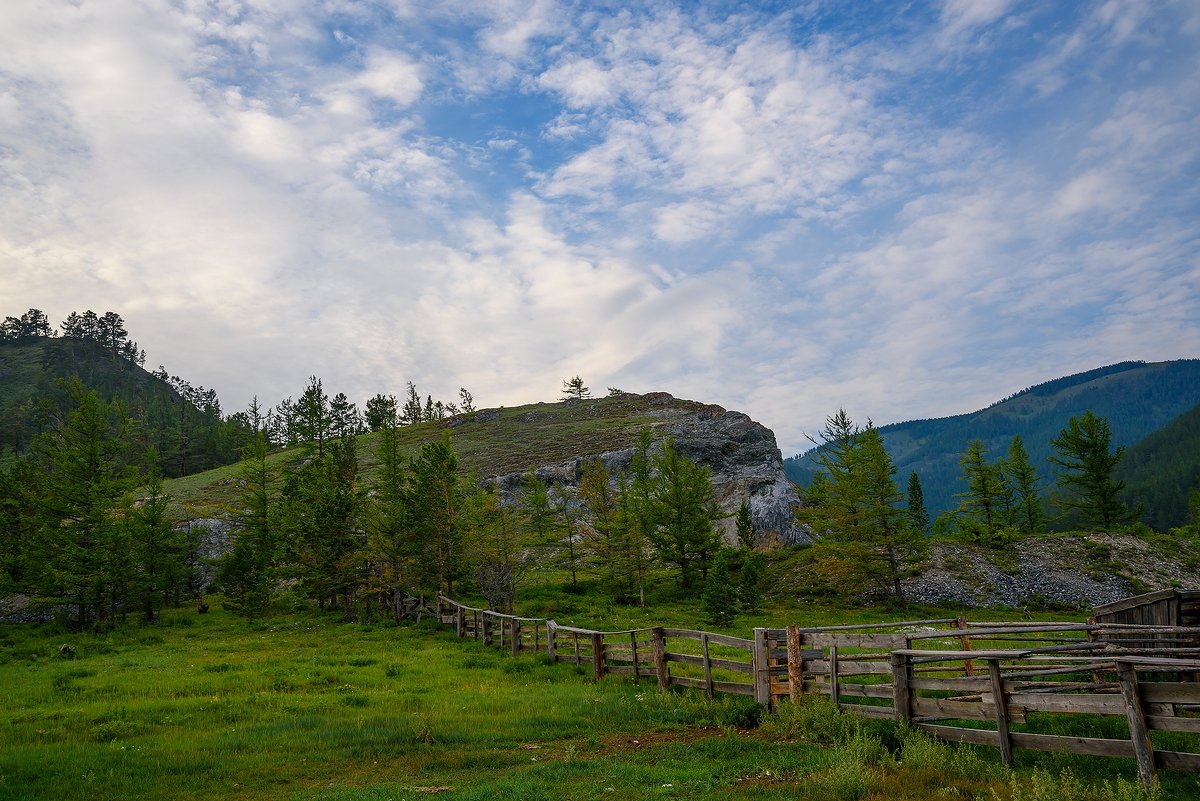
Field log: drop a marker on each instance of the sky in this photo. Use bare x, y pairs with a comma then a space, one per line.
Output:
906, 210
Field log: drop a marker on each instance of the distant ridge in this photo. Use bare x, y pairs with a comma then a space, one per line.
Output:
1138, 398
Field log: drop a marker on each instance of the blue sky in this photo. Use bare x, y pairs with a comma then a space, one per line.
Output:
903, 210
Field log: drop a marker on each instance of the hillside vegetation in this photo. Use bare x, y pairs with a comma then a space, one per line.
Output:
1137, 398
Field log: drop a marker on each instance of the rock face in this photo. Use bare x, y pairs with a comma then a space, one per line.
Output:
746, 464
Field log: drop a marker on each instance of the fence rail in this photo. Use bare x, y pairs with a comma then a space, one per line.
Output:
936, 675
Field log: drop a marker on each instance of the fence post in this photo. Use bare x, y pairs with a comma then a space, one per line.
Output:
658, 642
460, 621
1138, 734
795, 647
901, 692
708, 679
551, 644
966, 644
487, 629
1006, 755
475, 620
598, 655
516, 636
634, 655
835, 691
762, 668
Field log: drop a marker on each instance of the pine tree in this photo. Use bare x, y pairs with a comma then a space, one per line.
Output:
719, 600
157, 549
1023, 478
684, 509
81, 549
918, 515
465, 400
745, 527
247, 572
435, 500
1083, 452
382, 412
857, 507
574, 388
413, 412
314, 422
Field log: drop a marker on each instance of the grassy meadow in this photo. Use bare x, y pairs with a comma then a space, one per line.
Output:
302, 707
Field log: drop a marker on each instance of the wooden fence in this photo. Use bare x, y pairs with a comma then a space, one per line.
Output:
948, 677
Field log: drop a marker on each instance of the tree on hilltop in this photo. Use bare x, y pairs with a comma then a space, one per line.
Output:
1083, 452
574, 388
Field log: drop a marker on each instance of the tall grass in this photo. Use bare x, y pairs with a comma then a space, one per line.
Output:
301, 707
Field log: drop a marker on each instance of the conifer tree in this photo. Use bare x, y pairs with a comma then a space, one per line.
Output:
745, 527
1083, 452
574, 388
684, 509
719, 600
918, 515
1023, 479
382, 412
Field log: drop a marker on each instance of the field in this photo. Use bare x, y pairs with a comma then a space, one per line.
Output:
302, 707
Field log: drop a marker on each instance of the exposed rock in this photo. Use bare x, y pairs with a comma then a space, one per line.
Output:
746, 464
1068, 571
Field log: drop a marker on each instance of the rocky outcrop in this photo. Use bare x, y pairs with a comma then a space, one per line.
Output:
746, 464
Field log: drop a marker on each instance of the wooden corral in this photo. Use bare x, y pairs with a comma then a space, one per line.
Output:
944, 676
1150, 611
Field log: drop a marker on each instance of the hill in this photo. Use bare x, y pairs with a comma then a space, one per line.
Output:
1162, 470
181, 421
1138, 398
499, 445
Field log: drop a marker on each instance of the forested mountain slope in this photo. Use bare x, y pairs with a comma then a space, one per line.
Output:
1137, 398
1162, 470
183, 423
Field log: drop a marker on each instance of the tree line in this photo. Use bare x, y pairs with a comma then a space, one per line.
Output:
871, 536
86, 524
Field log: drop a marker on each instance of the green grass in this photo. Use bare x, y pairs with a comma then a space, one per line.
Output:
548, 433
300, 707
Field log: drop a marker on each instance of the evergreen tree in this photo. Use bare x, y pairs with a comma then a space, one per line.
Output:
1084, 455
749, 590
157, 549
918, 515
382, 412
247, 572
314, 422
605, 539
413, 411
321, 527
745, 527
344, 419
436, 504
1023, 479
719, 600
979, 504
573, 388
857, 507
565, 515
81, 548
391, 548
684, 509
465, 400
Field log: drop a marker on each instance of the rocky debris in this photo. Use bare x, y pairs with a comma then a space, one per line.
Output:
745, 461
215, 540
1077, 572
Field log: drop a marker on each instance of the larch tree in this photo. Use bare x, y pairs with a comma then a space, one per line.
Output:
1086, 459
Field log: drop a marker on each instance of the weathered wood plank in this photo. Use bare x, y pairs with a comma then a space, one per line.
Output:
1173, 723
856, 640
1106, 704
1002, 713
795, 663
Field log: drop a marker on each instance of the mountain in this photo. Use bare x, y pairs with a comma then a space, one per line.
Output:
1161, 470
498, 446
181, 421
1137, 398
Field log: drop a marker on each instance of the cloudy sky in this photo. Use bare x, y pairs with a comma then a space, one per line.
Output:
909, 210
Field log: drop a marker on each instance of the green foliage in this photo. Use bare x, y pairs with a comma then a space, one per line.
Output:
745, 527
575, 388
1162, 471
750, 581
684, 507
719, 600
918, 515
1137, 398
857, 507
1083, 452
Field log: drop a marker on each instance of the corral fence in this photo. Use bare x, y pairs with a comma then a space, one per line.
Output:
958, 680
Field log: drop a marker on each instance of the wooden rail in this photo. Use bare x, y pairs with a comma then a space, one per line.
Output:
931, 674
